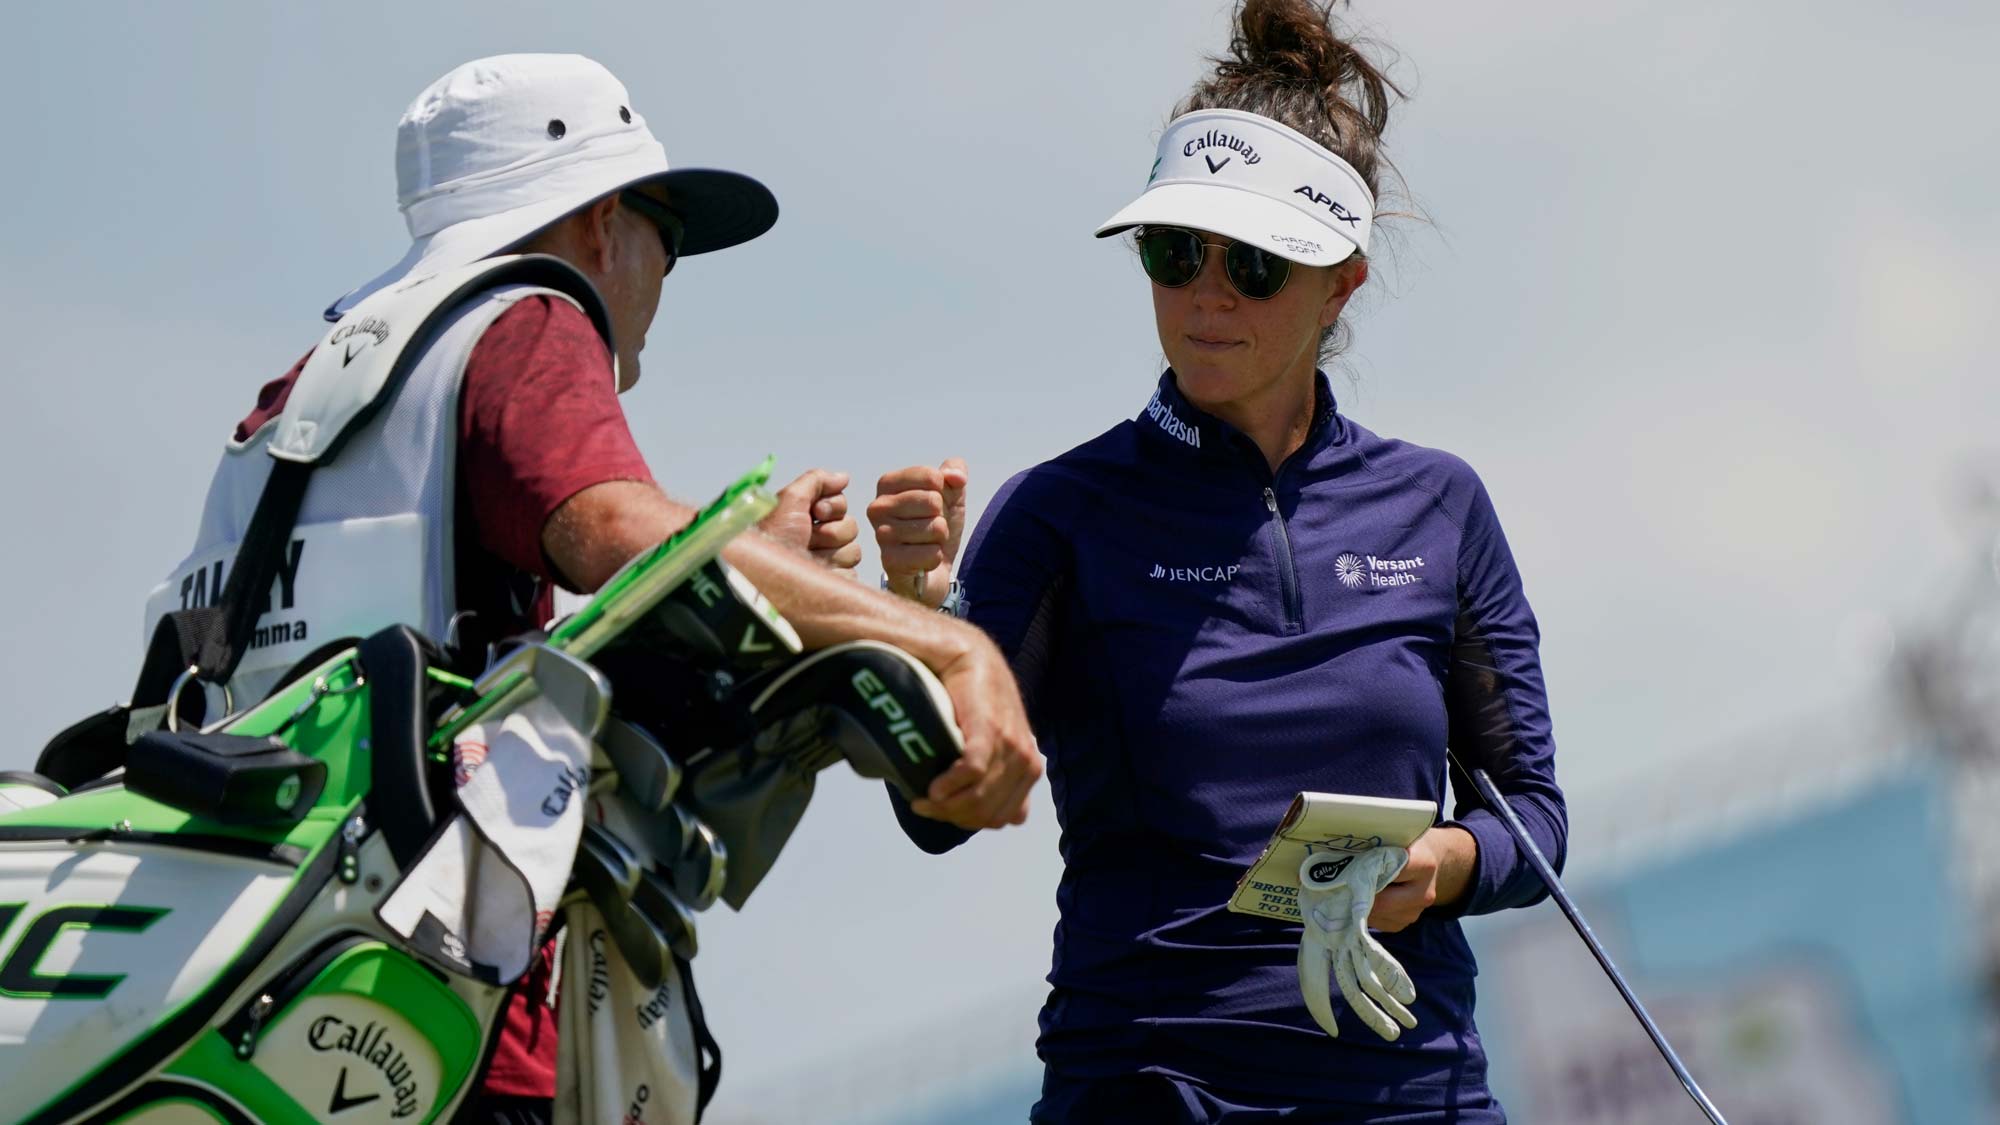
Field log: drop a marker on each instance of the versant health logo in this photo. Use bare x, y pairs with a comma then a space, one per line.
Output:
1351, 571
1356, 571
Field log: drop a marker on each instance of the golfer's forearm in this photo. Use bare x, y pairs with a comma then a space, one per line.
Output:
596, 531
1502, 876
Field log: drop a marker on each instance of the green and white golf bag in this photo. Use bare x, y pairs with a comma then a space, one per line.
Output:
311, 907
201, 936
195, 940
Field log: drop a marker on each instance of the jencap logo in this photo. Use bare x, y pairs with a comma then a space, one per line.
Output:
1194, 573
1356, 571
1170, 423
1330, 203
373, 327
1216, 138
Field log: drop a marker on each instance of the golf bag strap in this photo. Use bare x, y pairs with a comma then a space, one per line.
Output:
395, 661
209, 640
709, 1052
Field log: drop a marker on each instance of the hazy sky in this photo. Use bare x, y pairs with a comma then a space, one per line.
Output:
1706, 297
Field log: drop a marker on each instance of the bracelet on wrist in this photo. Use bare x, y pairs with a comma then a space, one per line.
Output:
953, 597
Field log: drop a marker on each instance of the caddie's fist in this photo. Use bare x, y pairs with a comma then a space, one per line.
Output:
919, 517
812, 515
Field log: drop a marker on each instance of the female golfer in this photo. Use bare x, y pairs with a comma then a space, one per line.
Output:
1237, 595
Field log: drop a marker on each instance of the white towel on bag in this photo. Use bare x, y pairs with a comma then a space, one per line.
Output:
485, 889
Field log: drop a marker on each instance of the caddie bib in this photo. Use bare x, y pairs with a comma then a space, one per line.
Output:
375, 412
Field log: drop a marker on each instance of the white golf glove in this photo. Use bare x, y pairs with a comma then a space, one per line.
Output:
1336, 892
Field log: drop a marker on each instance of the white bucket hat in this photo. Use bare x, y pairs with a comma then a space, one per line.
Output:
503, 146
1249, 178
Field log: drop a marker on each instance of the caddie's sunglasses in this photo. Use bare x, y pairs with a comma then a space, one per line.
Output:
661, 216
1172, 257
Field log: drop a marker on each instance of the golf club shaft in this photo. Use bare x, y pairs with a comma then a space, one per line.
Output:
1497, 801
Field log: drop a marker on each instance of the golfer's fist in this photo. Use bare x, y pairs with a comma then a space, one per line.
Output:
989, 785
1439, 869
919, 518
812, 516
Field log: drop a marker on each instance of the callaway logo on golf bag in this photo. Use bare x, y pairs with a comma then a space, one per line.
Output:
370, 1042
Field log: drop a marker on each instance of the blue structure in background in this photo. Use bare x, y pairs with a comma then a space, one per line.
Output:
1815, 969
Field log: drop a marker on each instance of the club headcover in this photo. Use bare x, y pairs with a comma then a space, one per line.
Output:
869, 703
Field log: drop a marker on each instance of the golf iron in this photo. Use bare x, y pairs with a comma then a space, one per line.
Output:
1497, 801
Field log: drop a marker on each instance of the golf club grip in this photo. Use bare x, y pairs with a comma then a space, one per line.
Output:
1497, 801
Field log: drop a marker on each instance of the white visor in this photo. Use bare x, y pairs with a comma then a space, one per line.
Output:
1251, 179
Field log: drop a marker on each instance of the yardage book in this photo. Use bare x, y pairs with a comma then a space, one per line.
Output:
1336, 823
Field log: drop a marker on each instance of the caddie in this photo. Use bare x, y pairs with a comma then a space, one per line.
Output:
456, 489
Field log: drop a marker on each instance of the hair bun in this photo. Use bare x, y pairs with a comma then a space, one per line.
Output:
1294, 44
1286, 40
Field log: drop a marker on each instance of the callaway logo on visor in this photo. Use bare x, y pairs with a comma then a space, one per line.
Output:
1216, 138
1249, 178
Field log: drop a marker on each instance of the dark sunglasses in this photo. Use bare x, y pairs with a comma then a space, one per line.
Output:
1172, 256
661, 216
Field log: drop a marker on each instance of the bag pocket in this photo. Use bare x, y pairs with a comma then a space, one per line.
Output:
354, 1029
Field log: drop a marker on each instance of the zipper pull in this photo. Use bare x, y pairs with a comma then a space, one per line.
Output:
253, 1022
1271, 501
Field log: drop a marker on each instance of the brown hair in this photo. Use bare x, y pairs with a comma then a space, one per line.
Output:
1289, 61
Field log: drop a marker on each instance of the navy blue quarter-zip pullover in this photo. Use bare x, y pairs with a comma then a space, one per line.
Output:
1199, 639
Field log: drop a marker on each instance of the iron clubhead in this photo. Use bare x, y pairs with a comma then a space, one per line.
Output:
645, 769
701, 869
656, 900
618, 864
